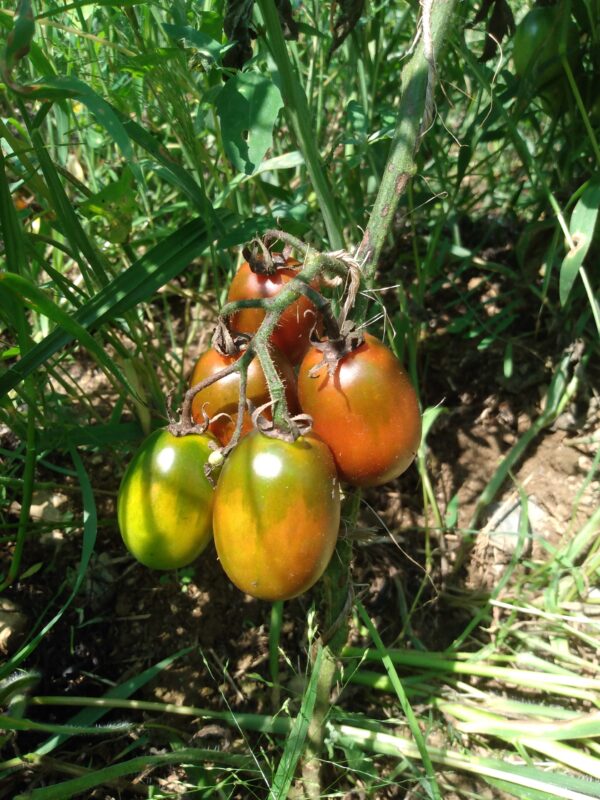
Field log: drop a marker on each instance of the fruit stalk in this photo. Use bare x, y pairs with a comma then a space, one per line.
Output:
315, 265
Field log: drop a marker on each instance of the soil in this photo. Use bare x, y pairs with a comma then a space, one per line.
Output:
126, 618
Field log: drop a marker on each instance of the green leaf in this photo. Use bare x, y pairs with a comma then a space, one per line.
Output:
430, 415
173, 172
60, 87
12, 234
583, 222
136, 284
521, 792
13, 724
115, 203
88, 716
248, 106
147, 62
90, 435
203, 43
79, 787
84, 250
90, 529
41, 303
19, 39
451, 517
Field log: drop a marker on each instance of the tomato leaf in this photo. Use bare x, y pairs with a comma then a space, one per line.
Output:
583, 222
248, 106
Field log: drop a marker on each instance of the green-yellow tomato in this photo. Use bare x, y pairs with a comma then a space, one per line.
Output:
165, 501
277, 514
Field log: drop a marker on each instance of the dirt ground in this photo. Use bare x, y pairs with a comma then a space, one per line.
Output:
127, 618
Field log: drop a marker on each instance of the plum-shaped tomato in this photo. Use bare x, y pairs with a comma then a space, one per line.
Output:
277, 515
165, 501
221, 397
293, 329
366, 412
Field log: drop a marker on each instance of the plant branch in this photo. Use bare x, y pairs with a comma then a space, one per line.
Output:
414, 116
315, 265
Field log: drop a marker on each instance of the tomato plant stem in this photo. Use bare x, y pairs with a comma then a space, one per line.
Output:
414, 116
336, 589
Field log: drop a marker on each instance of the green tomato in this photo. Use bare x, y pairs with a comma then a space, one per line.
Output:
165, 500
536, 53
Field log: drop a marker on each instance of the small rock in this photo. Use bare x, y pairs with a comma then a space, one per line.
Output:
13, 624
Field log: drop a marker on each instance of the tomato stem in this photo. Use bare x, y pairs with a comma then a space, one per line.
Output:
315, 264
415, 113
186, 424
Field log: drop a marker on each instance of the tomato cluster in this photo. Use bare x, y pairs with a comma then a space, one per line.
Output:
275, 509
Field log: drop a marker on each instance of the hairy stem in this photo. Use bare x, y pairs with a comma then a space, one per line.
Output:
414, 114
186, 425
280, 412
315, 264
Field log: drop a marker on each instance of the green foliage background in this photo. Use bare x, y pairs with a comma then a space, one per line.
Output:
137, 160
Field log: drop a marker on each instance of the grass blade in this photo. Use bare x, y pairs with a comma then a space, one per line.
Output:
402, 698
295, 741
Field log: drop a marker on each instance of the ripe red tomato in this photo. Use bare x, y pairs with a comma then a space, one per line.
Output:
165, 501
367, 412
222, 396
292, 333
276, 515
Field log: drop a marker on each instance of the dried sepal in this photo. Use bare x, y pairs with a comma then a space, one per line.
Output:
185, 427
228, 342
334, 350
298, 425
263, 261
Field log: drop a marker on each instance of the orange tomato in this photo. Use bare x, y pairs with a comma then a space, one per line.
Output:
222, 396
276, 515
367, 412
292, 333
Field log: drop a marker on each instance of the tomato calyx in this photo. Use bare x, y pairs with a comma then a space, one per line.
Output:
228, 343
335, 348
184, 426
262, 261
225, 344
298, 425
